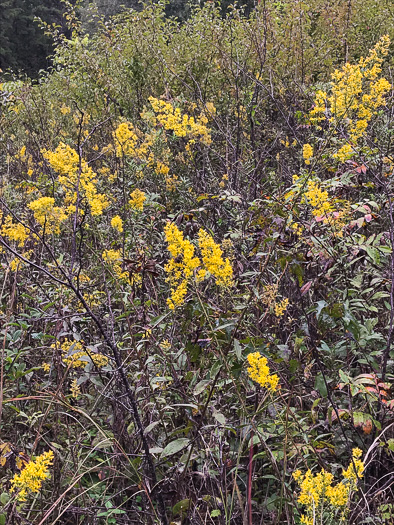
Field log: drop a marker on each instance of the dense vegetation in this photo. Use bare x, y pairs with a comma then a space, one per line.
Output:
196, 300
26, 49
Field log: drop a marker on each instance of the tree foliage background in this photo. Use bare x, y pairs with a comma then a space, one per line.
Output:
196, 301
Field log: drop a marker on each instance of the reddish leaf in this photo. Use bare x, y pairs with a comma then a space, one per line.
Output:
306, 287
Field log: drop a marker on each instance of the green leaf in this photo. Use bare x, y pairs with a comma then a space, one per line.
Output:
215, 513
219, 417
181, 507
320, 306
201, 386
4, 498
237, 348
174, 447
320, 385
150, 427
2, 519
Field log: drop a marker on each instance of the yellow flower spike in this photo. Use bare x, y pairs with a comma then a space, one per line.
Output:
14, 231
212, 256
125, 139
117, 223
65, 161
181, 266
114, 260
75, 356
31, 478
47, 214
355, 95
137, 199
259, 372
181, 125
307, 153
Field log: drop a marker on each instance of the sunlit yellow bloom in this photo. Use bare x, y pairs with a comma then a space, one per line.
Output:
181, 266
307, 153
14, 231
75, 356
137, 199
31, 478
76, 177
259, 372
117, 223
47, 214
212, 257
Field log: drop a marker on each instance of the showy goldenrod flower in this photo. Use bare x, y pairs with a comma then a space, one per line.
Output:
319, 494
137, 199
126, 139
47, 214
75, 356
212, 257
181, 266
117, 223
318, 199
307, 153
114, 260
75, 389
356, 93
259, 372
355, 469
74, 172
281, 307
14, 231
181, 125
31, 478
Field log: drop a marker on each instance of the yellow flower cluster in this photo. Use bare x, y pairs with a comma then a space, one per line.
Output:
137, 199
307, 153
114, 260
318, 491
65, 161
334, 212
64, 110
117, 223
259, 372
125, 139
75, 356
356, 94
75, 389
181, 266
14, 231
46, 367
355, 470
165, 345
318, 199
344, 153
212, 257
47, 214
281, 307
31, 478
269, 296
181, 125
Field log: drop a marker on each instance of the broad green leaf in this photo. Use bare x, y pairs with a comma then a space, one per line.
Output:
174, 447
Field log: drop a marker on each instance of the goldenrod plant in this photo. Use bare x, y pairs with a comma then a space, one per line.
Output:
196, 269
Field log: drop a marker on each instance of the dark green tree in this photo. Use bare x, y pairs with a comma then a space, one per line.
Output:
24, 47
